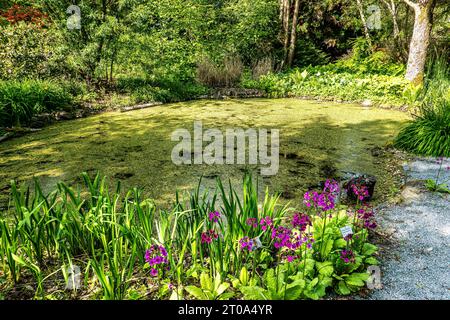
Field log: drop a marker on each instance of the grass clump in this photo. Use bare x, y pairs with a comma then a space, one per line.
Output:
429, 133
21, 100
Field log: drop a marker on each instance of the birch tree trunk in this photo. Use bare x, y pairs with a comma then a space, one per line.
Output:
418, 47
392, 8
364, 21
293, 33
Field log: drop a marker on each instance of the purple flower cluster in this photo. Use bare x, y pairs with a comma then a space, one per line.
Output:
301, 221
214, 216
290, 239
347, 256
247, 244
310, 198
331, 186
209, 236
367, 216
360, 191
290, 258
253, 222
325, 200
156, 256
266, 223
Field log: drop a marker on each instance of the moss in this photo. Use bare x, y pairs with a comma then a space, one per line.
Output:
325, 138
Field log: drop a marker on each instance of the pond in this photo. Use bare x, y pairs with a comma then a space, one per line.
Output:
317, 140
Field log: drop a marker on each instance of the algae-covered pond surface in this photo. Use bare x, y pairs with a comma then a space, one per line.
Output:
317, 140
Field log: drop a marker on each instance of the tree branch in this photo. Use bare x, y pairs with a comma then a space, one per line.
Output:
413, 5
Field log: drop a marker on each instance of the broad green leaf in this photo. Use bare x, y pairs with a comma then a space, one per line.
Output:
325, 268
340, 243
222, 288
271, 281
243, 276
325, 281
196, 292
254, 293
371, 261
226, 296
206, 282
357, 279
369, 249
313, 283
343, 289
327, 247
293, 292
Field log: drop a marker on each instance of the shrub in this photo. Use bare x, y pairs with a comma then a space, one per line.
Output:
226, 75
27, 50
429, 133
21, 100
262, 67
164, 90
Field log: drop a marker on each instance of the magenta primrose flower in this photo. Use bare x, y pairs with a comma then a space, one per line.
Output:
214, 216
253, 222
154, 272
347, 256
367, 216
286, 237
310, 198
290, 258
325, 200
360, 191
301, 221
331, 186
209, 236
156, 257
247, 243
266, 223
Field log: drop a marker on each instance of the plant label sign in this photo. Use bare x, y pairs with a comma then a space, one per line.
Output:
345, 231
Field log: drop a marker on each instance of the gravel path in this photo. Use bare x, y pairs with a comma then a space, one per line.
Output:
416, 264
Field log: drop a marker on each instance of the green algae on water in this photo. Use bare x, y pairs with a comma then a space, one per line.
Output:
317, 141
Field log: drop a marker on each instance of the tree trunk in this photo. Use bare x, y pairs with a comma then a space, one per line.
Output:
418, 47
285, 23
293, 33
393, 11
364, 22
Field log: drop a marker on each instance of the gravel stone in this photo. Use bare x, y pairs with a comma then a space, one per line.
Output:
417, 265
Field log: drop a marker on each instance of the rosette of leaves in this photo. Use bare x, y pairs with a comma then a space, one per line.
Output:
277, 285
210, 289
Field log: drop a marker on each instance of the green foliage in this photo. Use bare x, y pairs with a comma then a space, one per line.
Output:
429, 133
320, 82
107, 234
433, 186
29, 51
21, 100
279, 285
308, 54
142, 90
210, 289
